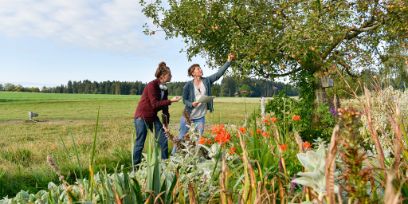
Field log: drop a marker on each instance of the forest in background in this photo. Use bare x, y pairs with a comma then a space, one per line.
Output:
228, 87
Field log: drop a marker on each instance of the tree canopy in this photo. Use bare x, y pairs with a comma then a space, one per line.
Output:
279, 38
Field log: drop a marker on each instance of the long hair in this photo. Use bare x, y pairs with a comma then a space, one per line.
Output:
161, 70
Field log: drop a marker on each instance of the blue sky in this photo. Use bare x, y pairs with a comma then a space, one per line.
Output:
48, 42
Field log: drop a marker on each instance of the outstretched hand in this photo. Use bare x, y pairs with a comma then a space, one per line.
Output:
175, 99
231, 57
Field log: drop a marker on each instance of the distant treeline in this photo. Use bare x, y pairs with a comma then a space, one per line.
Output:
248, 87
229, 87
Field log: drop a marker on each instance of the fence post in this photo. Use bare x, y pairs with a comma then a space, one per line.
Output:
263, 112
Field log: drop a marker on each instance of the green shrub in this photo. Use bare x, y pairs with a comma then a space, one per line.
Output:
284, 108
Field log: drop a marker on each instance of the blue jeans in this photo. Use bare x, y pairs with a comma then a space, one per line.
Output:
198, 126
141, 132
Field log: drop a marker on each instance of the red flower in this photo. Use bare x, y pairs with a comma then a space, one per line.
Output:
232, 150
265, 134
274, 119
222, 138
266, 121
217, 128
202, 140
258, 131
242, 130
296, 117
221, 135
283, 147
306, 145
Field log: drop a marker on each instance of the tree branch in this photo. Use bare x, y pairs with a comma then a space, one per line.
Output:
269, 75
367, 26
239, 26
352, 33
347, 67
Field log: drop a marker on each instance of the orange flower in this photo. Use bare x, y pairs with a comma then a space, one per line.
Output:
265, 134
209, 141
232, 150
296, 117
274, 119
258, 131
242, 130
283, 147
222, 138
221, 135
266, 121
217, 128
202, 140
306, 145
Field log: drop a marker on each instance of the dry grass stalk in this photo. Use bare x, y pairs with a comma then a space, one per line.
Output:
390, 194
259, 193
281, 192
273, 191
331, 165
55, 167
262, 194
259, 169
276, 133
299, 141
339, 195
249, 179
159, 198
398, 137
191, 194
178, 187
224, 194
149, 197
373, 132
266, 193
117, 198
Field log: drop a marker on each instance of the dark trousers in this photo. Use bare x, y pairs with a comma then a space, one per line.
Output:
141, 127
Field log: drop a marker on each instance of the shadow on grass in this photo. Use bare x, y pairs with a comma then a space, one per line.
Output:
10, 185
34, 181
7, 100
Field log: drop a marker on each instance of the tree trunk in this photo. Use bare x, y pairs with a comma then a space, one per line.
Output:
320, 98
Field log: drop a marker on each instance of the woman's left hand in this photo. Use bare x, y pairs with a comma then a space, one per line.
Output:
175, 99
195, 104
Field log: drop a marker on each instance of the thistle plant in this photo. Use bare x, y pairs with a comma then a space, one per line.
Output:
355, 175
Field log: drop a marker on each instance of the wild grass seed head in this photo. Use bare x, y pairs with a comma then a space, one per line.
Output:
54, 167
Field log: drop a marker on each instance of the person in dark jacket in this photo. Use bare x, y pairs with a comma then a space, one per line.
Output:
194, 112
153, 99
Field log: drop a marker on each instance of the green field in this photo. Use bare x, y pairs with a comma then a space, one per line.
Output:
66, 124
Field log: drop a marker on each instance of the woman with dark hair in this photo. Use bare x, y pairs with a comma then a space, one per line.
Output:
153, 99
194, 111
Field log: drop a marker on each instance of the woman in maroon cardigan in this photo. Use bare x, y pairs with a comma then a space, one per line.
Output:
154, 99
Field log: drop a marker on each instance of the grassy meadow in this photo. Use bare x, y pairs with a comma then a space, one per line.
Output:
66, 125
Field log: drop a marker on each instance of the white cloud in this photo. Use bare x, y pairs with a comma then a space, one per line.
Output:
107, 24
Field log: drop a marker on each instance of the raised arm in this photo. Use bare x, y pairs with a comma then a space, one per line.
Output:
221, 71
